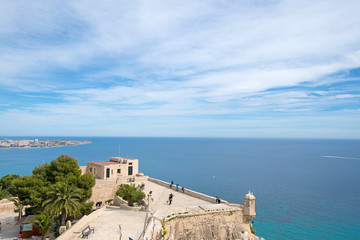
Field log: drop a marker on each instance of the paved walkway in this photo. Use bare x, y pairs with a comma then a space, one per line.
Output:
107, 224
132, 222
9, 228
181, 202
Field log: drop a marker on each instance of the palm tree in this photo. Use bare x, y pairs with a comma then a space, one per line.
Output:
19, 205
63, 200
3, 193
43, 222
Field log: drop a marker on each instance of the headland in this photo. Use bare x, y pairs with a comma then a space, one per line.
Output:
25, 143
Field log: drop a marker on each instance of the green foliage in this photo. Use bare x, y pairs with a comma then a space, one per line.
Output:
64, 200
84, 209
46, 179
19, 204
164, 230
63, 168
130, 193
252, 229
43, 222
6, 181
4, 193
85, 183
31, 190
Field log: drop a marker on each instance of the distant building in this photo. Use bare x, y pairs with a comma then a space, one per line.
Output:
22, 143
116, 168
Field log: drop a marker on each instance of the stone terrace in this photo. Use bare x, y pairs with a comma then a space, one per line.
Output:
106, 221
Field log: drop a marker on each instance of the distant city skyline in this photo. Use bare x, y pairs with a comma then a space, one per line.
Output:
244, 69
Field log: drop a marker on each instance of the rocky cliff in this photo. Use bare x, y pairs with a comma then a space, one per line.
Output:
225, 225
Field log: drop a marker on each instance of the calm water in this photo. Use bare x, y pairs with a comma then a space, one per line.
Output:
304, 189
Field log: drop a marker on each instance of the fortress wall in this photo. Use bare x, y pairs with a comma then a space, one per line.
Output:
102, 193
107, 189
187, 191
210, 226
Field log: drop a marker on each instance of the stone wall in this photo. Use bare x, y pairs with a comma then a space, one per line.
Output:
187, 191
106, 189
222, 225
104, 192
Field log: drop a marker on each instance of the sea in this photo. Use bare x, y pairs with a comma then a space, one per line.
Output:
304, 189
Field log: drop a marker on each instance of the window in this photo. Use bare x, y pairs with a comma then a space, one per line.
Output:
119, 170
90, 169
130, 163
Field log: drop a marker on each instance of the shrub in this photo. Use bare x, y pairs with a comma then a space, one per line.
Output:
130, 193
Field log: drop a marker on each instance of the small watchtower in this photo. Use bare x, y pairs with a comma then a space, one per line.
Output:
249, 206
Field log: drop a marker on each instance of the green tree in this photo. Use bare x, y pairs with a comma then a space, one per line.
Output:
130, 193
85, 183
33, 190
63, 201
19, 204
63, 168
6, 181
30, 190
43, 222
4, 193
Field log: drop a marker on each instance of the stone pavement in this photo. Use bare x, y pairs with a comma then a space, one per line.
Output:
132, 222
9, 228
107, 224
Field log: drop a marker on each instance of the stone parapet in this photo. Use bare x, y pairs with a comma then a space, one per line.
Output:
187, 191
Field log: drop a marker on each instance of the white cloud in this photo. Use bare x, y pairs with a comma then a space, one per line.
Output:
202, 58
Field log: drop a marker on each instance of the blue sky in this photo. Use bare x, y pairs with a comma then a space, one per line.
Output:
282, 69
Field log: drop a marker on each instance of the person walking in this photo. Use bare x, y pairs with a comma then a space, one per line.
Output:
170, 198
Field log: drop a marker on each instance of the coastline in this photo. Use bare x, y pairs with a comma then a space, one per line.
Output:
35, 143
45, 147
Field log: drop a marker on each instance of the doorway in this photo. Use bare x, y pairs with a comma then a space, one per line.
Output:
130, 170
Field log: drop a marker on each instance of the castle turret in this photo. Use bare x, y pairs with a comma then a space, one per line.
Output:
249, 207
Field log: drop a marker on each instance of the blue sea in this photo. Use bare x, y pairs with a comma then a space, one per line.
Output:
304, 189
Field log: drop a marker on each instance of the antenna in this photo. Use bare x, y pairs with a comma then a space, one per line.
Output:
119, 150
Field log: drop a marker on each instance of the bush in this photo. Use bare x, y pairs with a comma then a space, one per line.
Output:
130, 193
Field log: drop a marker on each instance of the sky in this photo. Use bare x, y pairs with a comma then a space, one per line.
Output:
247, 69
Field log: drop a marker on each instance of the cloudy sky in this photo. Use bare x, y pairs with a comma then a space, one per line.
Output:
283, 69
